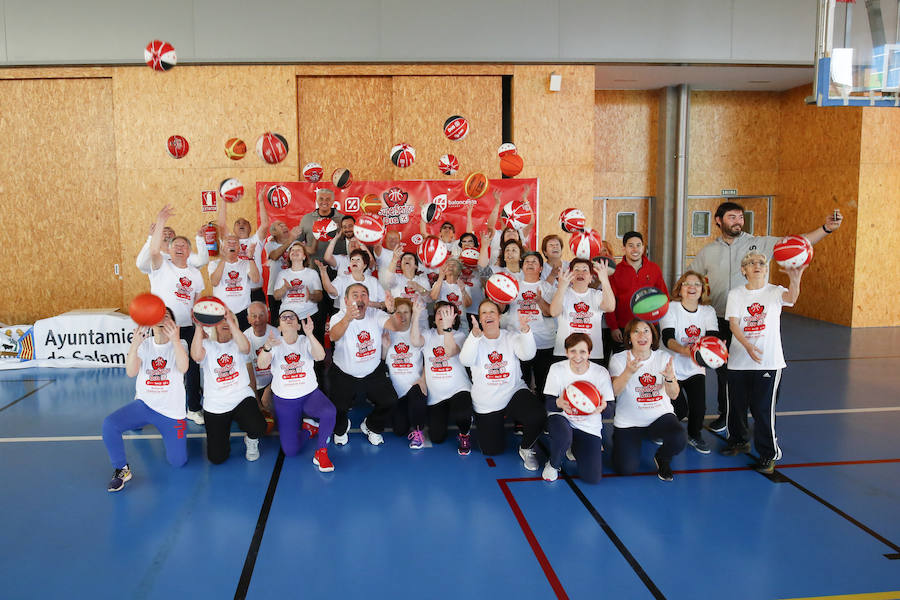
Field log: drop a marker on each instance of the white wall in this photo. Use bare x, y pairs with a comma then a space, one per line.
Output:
115, 31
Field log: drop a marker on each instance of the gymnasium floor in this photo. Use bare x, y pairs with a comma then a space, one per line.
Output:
390, 522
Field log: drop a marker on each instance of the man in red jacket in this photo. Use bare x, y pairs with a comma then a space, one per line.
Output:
633, 272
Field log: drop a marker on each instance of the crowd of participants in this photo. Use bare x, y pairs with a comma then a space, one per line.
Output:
342, 321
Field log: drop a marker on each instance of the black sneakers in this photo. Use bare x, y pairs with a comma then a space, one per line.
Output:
719, 424
120, 476
663, 468
735, 449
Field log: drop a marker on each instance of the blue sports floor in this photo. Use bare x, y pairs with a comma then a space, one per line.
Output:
391, 522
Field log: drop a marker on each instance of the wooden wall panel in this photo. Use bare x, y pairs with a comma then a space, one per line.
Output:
625, 138
420, 105
877, 243
58, 198
819, 171
639, 206
554, 133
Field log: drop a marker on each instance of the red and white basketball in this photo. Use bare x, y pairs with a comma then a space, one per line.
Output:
368, 229
710, 351
517, 214
506, 149
432, 252
456, 128
231, 190
571, 220
431, 212
502, 288
448, 165
342, 178
325, 229
403, 155
208, 311
793, 251
177, 146
586, 244
469, 257
312, 172
583, 397
160, 56
279, 196
271, 147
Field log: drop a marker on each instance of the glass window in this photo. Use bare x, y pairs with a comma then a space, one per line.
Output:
748, 222
700, 223
625, 222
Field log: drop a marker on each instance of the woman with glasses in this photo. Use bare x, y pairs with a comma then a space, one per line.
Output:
755, 359
689, 318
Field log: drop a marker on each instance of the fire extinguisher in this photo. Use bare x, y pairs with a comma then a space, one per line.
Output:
211, 236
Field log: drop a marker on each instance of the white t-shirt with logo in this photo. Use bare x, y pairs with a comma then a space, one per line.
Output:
444, 377
276, 266
580, 314
234, 286
689, 327
759, 316
159, 383
226, 380
244, 245
544, 328
178, 289
496, 370
452, 293
561, 375
263, 376
404, 362
471, 278
293, 369
643, 399
358, 352
342, 282
300, 284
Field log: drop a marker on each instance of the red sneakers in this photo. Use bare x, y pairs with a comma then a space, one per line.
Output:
311, 427
321, 460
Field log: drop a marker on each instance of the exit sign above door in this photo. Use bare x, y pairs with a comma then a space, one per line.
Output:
729, 192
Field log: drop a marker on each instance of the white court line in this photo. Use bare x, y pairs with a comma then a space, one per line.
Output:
156, 436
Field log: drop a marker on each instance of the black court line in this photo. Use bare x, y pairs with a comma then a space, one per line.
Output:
253, 551
615, 539
25, 380
780, 477
35, 390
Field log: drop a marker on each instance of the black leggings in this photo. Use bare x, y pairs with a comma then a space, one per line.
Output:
409, 411
192, 390
375, 386
523, 408
722, 372
627, 442
587, 448
691, 403
218, 428
457, 407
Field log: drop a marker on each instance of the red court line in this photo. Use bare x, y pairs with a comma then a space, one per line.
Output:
529, 535
490, 462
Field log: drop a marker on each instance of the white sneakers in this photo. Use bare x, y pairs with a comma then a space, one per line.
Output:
569, 455
341, 440
529, 458
252, 449
196, 416
549, 473
375, 439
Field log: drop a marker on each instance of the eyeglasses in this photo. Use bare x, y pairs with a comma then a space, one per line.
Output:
695, 284
288, 318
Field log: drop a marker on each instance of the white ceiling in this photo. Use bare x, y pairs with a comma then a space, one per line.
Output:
702, 77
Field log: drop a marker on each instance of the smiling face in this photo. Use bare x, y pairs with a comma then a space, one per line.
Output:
755, 268
691, 288
408, 265
223, 331
324, 200
731, 224
553, 248
257, 315
634, 249
467, 240
288, 323
402, 315
578, 355
582, 275
531, 266
448, 231
641, 338
347, 228
512, 255
297, 254
489, 316
180, 250
242, 228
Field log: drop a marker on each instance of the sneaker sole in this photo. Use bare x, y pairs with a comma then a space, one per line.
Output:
252, 458
717, 429
121, 487
658, 474
463, 452
411, 447
321, 468
701, 451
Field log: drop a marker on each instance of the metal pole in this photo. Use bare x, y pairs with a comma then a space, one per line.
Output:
681, 165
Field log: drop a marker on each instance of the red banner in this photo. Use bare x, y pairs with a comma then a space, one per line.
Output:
401, 203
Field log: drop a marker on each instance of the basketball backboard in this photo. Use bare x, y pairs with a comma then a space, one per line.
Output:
858, 53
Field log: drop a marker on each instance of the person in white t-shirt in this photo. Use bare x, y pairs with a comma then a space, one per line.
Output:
568, 428
158, 359
686, 321
231, 277
250, 245
295, 389
198, 259
551, 248
405, 284
450, 289
472, 275
356, 333
643, 378
404, 365
257, 334
448, 384
299, 287
755, 358
179, 285
227, 393
359, 264
498, 390
578, 308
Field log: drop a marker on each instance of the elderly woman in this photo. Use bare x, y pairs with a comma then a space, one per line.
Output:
756, 358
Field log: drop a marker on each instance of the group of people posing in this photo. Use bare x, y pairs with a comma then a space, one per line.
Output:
340, 321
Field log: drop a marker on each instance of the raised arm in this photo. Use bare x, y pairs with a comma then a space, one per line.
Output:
315, 347
832, 222
328, 257
156, 257
198, 352
132, 360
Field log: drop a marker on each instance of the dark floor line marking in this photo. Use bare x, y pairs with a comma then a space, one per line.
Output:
841, 358
35, 390
252, 552
490, 462
25, 380
778, 477
532, 540
613, 537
